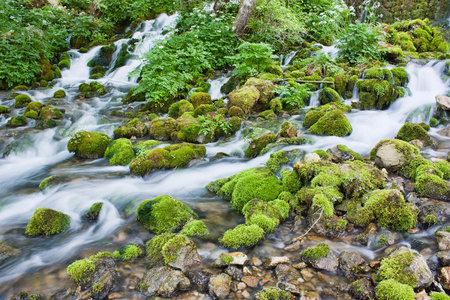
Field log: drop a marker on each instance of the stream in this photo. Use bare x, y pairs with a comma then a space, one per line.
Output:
42, 152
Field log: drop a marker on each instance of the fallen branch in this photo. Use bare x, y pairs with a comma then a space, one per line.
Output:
315, 222
313, 81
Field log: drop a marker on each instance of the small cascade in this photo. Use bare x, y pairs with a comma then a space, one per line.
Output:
286, 60
216, 84
314, 101
330, 51
78, 71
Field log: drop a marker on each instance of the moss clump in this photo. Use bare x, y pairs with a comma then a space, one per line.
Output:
315, 113
290, 180
410, 131
195, 228
34, 106
378, 73
433, 186
142, 147
276, 209
165, 247
400, 76
204, 109
21, 100
226, 259
133, 128
255, 183
46, 221
396, 267
48, 182
245, 98
389, 209
241, 236
198, 99
408, 151
393, 290
266, 223
320, 201
273, 293
17, 121
48, 112
32, 114
94, 211
257, 145
235, 111
59, 94
276, 160
4, 110
88, 144
64, 64
128, 252
120, 152
162, 128
355, 155
81, 269
267, 114
163, 214
177, 109
439, 296
377, 93
332, 123
321, 250
327, 95
322, 153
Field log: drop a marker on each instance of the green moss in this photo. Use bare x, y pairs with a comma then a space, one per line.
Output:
226, 259
267, 114
291, 181
163, 214
48, 112
128, 252
400, 76
378, 73
142, 147
242, 235
133, 128
235, 124
277, 160
32, 114
64, 64
377, 93
273, 293
444, 167
48, 182
327, 95
97, 288
410, 131
195, 228
433, 186
182, 154
177, 109
34, 106
244, 98
162, 128
439, 296
120, 152
344, 148
88, 144
409, 151
4, 110
321, 250
257, 145
235, 111
393, 290
430, 219
94, 211
198, 99
165, 247
396, 267
323, 154
187, 129
433, 122
321, 201
84, 88
266, 223
46, 221
276, 209
332, 123
21, 100
80, 270
389, 209
172, 247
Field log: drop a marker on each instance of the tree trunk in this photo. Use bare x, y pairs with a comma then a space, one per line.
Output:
245, 11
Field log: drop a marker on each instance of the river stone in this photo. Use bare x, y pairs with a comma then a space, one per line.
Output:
163, 281
220, 285
235, 272
444, 278
238, 258
103, 277
445, 132
348, 261
273, 261
362, 289
251, 281
287, 130
443, 240
389, 157
444, 258
440, 210
6, 251
310, 157
443, 102
187, 256
338, 155
286, 273
393, 154
308, 273
199, 280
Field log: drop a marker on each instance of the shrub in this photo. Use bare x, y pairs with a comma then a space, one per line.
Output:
359, 41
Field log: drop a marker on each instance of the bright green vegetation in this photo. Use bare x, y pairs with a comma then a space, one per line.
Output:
393, 290
244, 98
17, 121
213, 126
378, 93
226, 259
407, 150
82, 269
88, 144
128, 252
4, 110
120, 152
294, 95
46, 221
267, 215
344, 148
21, 100
195, 228
94, 211
410, 131
48, 182
242, 235
273, 293
319, 251
258, 144
179, 108
439, 296
327, 95
133, 127
332, 123
166, 247
396, 267
255, 183
169, 157
163, 214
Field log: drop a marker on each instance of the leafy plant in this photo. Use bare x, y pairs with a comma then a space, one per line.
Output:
252, 59
293, 94
209, 126
359, 41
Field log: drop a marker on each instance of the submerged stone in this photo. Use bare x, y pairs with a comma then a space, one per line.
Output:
163, 281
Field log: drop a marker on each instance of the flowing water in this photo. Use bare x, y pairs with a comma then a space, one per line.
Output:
42, 153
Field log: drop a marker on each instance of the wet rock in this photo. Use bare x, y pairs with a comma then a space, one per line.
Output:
444, 258
251, 281
6, 251
445, 132
308, 274
436, 211
444, 278
233, 258
163, 281
310, 296
133, 128
199, 280
310, 157
393, 154
88, 144
362, 289
286, 273
234, 272
443, 102
255, 261
287, 130
244, 98
443, 240
413, 198
186, 256
220, 285
349, 261
320, 257
272, 262
342, 153
258, 144
46, 221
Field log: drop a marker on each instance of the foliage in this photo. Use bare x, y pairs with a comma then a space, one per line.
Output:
210, 125
293, 94
252, 59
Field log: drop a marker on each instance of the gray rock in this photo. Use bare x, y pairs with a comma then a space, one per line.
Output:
348, 261
338, 155
286, 273
327, 263
199, 280
443, 240
362, 289
187, 256
237, 258
6, 251
234, 272
443, 102
440, 210
444, 258
220, 285
273, 261
163, 281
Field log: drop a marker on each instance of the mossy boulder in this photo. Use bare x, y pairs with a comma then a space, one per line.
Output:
59, 94
258, 144
273, 293
46, 221
265, 88
393, 154
195, 228
21, 100
200, 98
242, 236
120, 152
169, 157
49, 112
33, 106
332, 123
431, 184
128, 252
410, 131
327, 95
64, 64
187, 129
4, 110
17, 121
49, 182
133, 128
315, 113
391, 289
245, 98
407, 267
400, 76
320, 257
388, 208
177, 109
255, 183
163, 214
378, 93
235, 111
341, 153
378, 73
162, 128
88, 144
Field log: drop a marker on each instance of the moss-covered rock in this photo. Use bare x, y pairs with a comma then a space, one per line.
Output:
33, 106
245, 98
198, 99
59, 94
204, 109
378, 93
163, 214
187, 129
94, 211
327, 95
393, 154
162, 128
46, 221
17, 121
433, 185
177, 109
235, 111
128, 252
242, 236
88, 144
257, 145
21, 100
391, 289
332, 123
400, 76
120, 152
410, 131
133, 128
265, 88
49, 112
378, 73
273, 293
49, 182
342, 153
4, 110
64, 64
195, 228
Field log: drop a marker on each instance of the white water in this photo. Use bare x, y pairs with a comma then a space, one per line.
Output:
216, 84
286, 60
